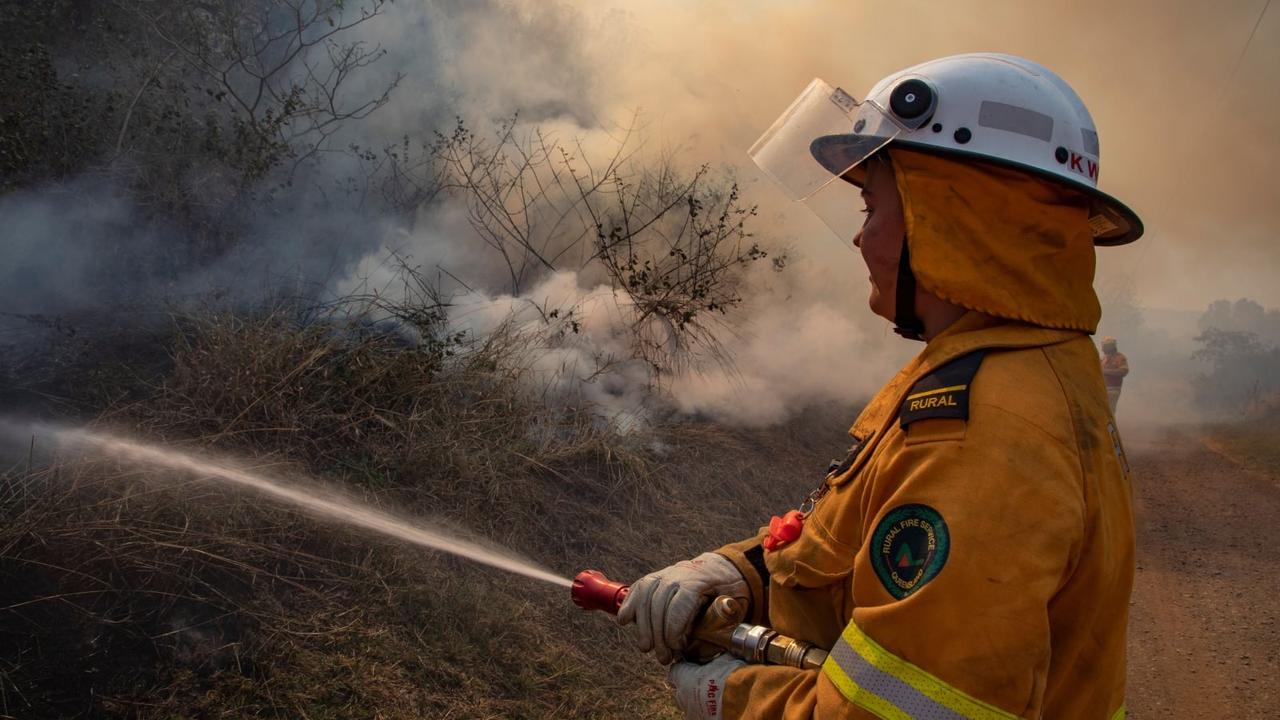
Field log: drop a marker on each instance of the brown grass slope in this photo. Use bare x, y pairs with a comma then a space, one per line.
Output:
131, 592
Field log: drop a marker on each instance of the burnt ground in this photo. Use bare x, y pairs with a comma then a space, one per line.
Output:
1204, 634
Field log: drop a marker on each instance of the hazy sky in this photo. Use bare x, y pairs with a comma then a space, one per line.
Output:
1185, 142
1188, 145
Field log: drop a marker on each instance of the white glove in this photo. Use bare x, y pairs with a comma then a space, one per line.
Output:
664, 605
700, 688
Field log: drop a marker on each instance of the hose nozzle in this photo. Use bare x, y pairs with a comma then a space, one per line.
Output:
593, 591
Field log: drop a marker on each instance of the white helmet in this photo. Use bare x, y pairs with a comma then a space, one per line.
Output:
996, 108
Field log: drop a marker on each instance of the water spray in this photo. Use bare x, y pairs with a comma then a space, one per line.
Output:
719, 628
330, 505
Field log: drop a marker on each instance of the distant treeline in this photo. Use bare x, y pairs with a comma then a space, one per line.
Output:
1240, 349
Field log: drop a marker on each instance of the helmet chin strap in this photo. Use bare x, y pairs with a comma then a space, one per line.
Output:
906, 322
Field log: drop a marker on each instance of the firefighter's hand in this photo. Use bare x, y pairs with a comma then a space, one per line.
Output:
664, 605
700, 688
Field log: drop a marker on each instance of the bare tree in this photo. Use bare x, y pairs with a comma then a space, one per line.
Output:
675, 244
280, 66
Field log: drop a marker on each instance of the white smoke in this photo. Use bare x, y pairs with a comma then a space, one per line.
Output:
789, 356
706, 78
710, 76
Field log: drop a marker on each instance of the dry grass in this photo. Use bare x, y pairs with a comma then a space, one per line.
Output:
131, 593
1252, 441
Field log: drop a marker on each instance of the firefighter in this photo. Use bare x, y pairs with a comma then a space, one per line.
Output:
1114, 367
973, 553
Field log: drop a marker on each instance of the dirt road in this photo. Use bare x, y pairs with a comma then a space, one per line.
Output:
1204, 640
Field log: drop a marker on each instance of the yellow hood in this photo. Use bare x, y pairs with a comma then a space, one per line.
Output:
998, 241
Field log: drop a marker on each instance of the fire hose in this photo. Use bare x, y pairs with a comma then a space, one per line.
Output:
719, 628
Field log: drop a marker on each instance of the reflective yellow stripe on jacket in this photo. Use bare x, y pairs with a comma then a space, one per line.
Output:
892, 688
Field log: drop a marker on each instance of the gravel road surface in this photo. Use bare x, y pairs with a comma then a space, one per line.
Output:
1204, 641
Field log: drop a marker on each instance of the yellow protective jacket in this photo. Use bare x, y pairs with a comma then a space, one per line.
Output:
974, 557
1114, 367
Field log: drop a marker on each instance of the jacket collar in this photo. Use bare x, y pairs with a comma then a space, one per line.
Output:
973, 331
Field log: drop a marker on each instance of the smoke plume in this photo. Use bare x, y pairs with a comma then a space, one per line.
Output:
1186, 114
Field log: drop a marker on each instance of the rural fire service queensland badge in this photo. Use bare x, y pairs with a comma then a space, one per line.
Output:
909, 548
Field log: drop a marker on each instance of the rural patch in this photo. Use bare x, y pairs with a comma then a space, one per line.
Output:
909, 548
943, 393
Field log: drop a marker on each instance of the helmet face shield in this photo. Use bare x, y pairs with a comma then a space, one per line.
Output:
823, 135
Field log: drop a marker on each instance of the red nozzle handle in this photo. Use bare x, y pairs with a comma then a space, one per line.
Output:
593, 591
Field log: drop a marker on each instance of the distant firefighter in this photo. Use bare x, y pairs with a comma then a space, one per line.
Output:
1114, 367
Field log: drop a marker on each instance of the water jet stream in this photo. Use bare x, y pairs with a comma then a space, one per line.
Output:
336, 507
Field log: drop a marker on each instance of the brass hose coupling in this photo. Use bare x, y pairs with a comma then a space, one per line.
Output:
722, 628
759, 644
